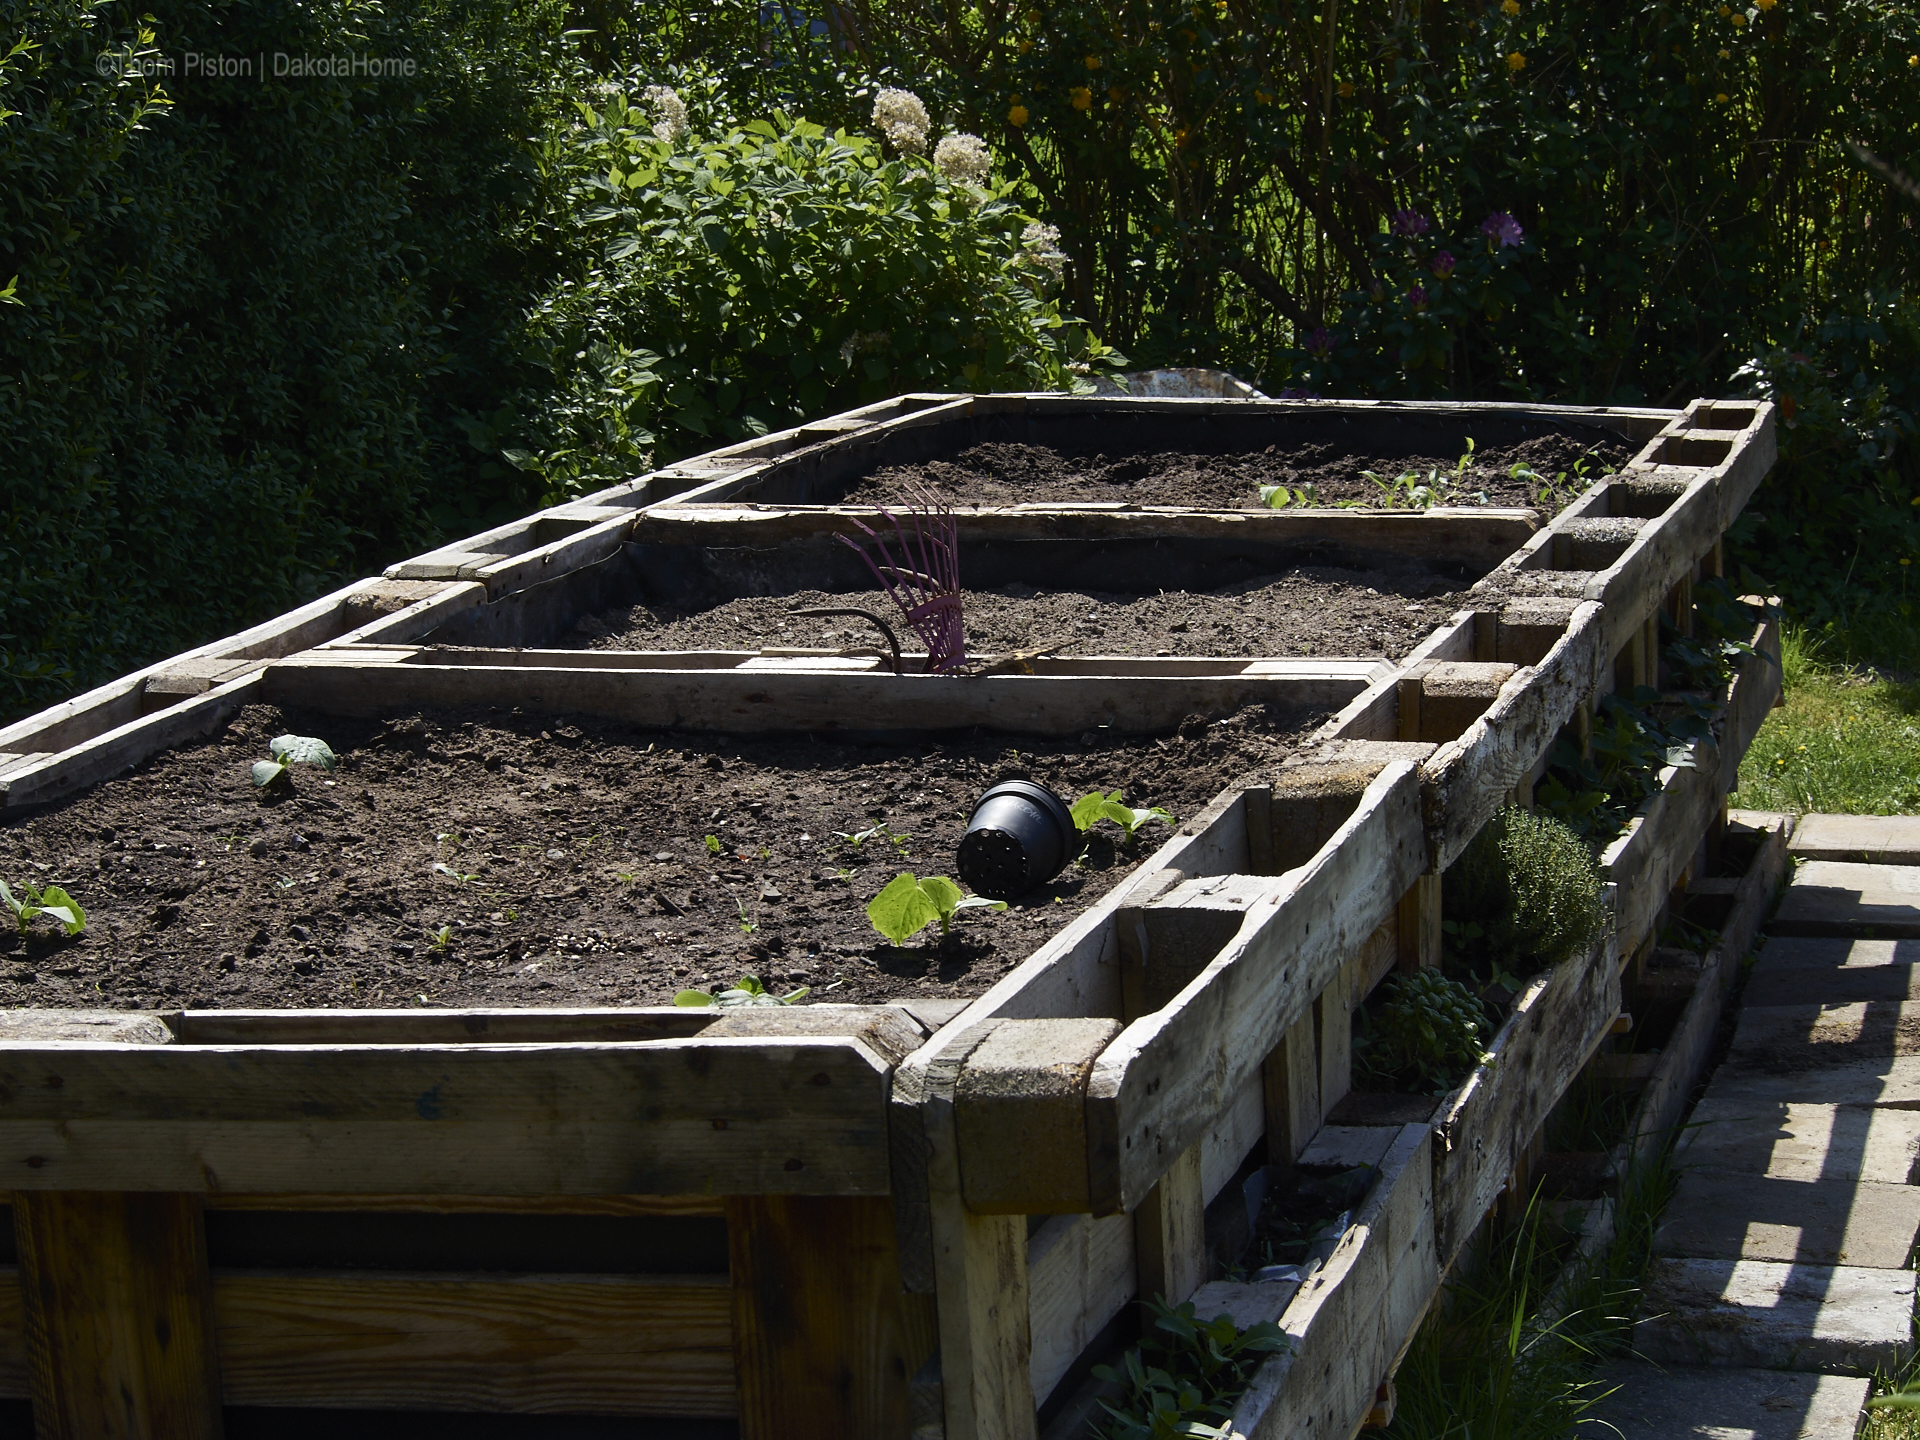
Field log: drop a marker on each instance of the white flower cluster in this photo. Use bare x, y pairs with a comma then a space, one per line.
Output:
899, 115
861, 341
963, 157
669, 113
1042, 243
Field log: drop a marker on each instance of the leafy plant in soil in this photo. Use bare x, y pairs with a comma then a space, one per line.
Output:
52, 902
926, 587
1186, 1374
1410, 489
1627, 747
1721, 638
1523, 897
908, 905
1425, 1037
1580, 476
1094, 807
747, 990
288, 751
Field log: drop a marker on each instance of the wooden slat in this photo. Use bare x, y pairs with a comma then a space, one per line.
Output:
825, 1340
118, 1316
1155, 1090
1556, 1023
439, 1027
15, 1375
1750, 698
606, 1344
1646, 862
674, 1117
619, 1205
1081, 1274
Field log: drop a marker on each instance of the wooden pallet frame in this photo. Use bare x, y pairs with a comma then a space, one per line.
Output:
1198, 1013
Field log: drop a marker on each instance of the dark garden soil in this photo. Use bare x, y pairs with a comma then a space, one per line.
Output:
567, 861
1013, 474
1307, 611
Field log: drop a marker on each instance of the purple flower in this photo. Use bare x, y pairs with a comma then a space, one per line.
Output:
1319, 342
1410, 222
1417, 297
1502, 227
1443, 264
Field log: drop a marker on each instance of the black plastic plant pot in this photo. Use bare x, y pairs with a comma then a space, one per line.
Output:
1019, 836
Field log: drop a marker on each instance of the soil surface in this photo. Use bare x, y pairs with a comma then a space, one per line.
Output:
1012, 474
1308, 611
488, 857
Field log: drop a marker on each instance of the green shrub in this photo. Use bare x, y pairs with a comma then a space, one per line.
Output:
1525, 895
1424, 1036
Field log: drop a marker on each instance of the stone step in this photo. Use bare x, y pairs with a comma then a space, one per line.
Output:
1874, 839
1801, 1141
1838, 1319
1725, 1215
1651, 1403
1835, 897
1859, 979
1815, 1037
1894, 1083
1803, 952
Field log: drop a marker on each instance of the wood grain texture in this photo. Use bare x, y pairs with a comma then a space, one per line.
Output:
1750, 697
1155, 1089
1352, 1319
1663, 834
1169, 1232
624, 1205
825, 1340
1666, 551
674, 1117
529, 1026
15, 1373
605, 1344
1081, 1274
118, 1316
1555, 1024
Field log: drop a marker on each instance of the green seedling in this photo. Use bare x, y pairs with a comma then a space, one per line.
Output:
747, 927
846, 874
908, 905
856, 840
713, 844
52, 902
747, 990
1094, 806
442, 868
512, 915
1279, 497
288, 751
285, 882
442, 938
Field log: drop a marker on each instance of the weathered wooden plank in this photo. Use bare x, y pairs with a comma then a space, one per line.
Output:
15, 1373
91, 761
1170, 1232
629, 1206
1469, 778
1556, 1023
606, 1344
1666, 550
118, 1316
1351, 1320
442, 1027
1155, 1089
702, 1116
1020, 1109
1646, 862
743, 701
825, 1340
1754, 692
1081, 1273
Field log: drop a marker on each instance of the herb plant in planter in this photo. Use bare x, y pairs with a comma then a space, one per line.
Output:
1425, 1037
1525, 896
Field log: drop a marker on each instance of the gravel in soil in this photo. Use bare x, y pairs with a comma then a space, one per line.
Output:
497, 858
1005, 473
1307, 611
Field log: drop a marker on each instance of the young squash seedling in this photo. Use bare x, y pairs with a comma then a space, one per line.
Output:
747, 990
288, 751
1094, 806
908, 905
52, 902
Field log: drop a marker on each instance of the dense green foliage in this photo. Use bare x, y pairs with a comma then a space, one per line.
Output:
1524, 896
1423, 1036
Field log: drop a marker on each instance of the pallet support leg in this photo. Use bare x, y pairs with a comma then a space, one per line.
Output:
119, 1316
1170, 1233
1292, 1080
1419, 925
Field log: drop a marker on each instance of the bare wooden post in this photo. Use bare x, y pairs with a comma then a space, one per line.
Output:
1292, 1080
1170, 1233
1419, 925
825, 1340
1333, 1019
118, 1315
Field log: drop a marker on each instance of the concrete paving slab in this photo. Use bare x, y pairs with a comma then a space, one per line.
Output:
1874, 839
1894, 1083
1798, 952
1837, 1319
1836, 985
1814, 1037
1800, 1141
1724, 1215
1833, 897
1650, 1402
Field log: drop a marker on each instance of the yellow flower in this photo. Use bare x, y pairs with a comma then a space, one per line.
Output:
1912, 61
1017, 116
1025, 46
1093, 62
1516, 62
1346, 89
1509, 7
1116, 94
1082, 97
1725, 54
1033, 17
1739, 19
1765, 4
1720, 98
1725, 10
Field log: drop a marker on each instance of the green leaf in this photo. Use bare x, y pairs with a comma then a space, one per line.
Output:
265, 772
945, 895
6, 895
695, 998
63, 907
979, 902
1087, 809
303, 750
902, 910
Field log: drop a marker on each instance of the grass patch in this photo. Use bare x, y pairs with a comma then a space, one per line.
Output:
1847, 741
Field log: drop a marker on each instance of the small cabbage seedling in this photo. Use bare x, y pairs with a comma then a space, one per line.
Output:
443, 937
908, 905
713, 844
1095, 806
746, 991
52, 902
288, 751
